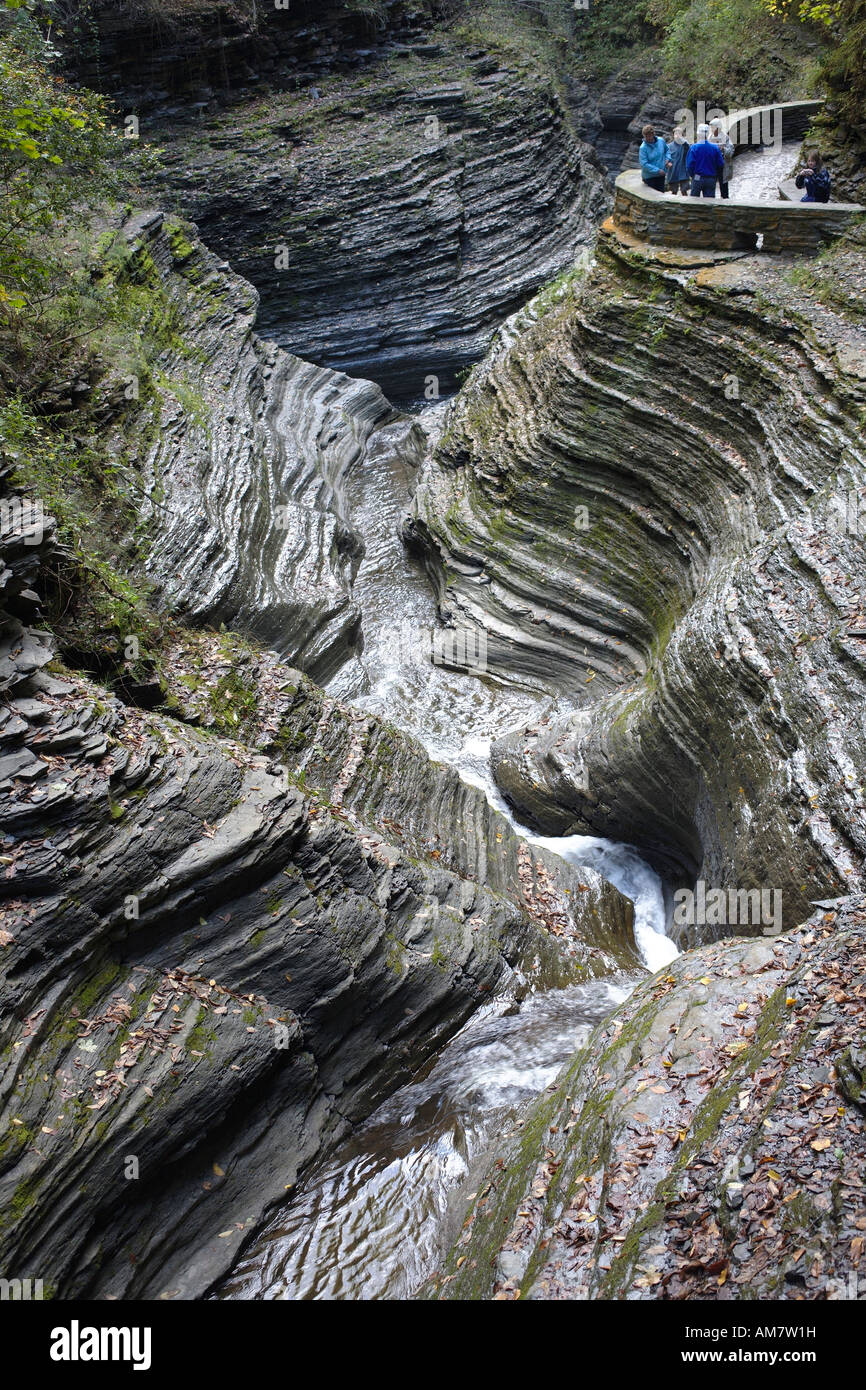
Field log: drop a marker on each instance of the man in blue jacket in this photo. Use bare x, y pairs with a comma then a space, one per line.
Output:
653, 155
706, 164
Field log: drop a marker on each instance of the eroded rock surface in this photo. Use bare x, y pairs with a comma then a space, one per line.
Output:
380, 780
708, 1143
644, 496
243, 449
211, 970
390, 224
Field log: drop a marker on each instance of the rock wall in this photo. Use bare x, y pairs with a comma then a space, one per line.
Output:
379, 778
153, 55
390, 224
644, 498
210, 969
707, 1143
242, 449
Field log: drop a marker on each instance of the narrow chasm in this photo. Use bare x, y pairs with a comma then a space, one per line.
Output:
432, 659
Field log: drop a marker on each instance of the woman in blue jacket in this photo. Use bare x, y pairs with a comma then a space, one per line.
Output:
653, 158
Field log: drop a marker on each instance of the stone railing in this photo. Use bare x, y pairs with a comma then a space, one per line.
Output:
731, 224
766, 125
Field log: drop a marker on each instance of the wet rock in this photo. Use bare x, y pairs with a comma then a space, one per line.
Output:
217, 956
676, 567
210, 976
244, 461
617, 1185
384, 783
851, 1071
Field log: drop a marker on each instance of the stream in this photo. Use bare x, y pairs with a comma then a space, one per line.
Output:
372, 1220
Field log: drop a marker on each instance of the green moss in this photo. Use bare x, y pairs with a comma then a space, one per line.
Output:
181, 246
23, 1198
439, 956
395, 955
202, 1035
233, 704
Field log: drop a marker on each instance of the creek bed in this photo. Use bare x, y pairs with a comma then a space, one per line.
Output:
372, 1220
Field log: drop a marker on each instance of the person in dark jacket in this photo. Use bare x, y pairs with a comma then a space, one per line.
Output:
706, 164
653, 156
720, 137
677, 175
815, 178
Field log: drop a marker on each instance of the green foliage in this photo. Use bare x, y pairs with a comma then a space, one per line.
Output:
56, 151
735, 52
844, 68
90, 602
609, 31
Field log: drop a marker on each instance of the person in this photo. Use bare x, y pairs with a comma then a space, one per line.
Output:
705, 163
653, 156
815, 178
720, 137
676, 176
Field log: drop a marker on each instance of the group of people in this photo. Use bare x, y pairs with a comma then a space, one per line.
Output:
675, 166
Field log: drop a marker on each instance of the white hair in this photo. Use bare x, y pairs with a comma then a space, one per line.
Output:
703, 130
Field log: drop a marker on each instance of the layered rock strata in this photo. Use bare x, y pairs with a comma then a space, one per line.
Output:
209, 53
378, 778
649, 494
210, 968
390, 225
708, 1143
242, 449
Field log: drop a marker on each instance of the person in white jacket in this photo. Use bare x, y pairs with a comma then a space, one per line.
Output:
720, 137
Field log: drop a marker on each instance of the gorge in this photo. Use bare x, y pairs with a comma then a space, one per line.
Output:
481, 576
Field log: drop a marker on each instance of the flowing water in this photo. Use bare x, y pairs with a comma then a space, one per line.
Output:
372, 1220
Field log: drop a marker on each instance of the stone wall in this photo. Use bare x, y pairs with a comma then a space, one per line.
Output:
786, 120
725, 224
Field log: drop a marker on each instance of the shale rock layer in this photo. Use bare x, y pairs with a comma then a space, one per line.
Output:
390, 225
644, 497
708, 1143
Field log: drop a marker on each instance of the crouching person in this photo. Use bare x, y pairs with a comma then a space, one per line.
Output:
815, 178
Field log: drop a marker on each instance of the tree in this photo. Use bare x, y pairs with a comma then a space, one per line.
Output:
56, 151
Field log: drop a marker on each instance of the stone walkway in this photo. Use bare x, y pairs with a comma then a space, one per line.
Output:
758, 173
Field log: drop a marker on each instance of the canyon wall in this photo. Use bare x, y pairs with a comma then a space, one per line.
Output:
644, 497
230, 926
706, 1144
390, 224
